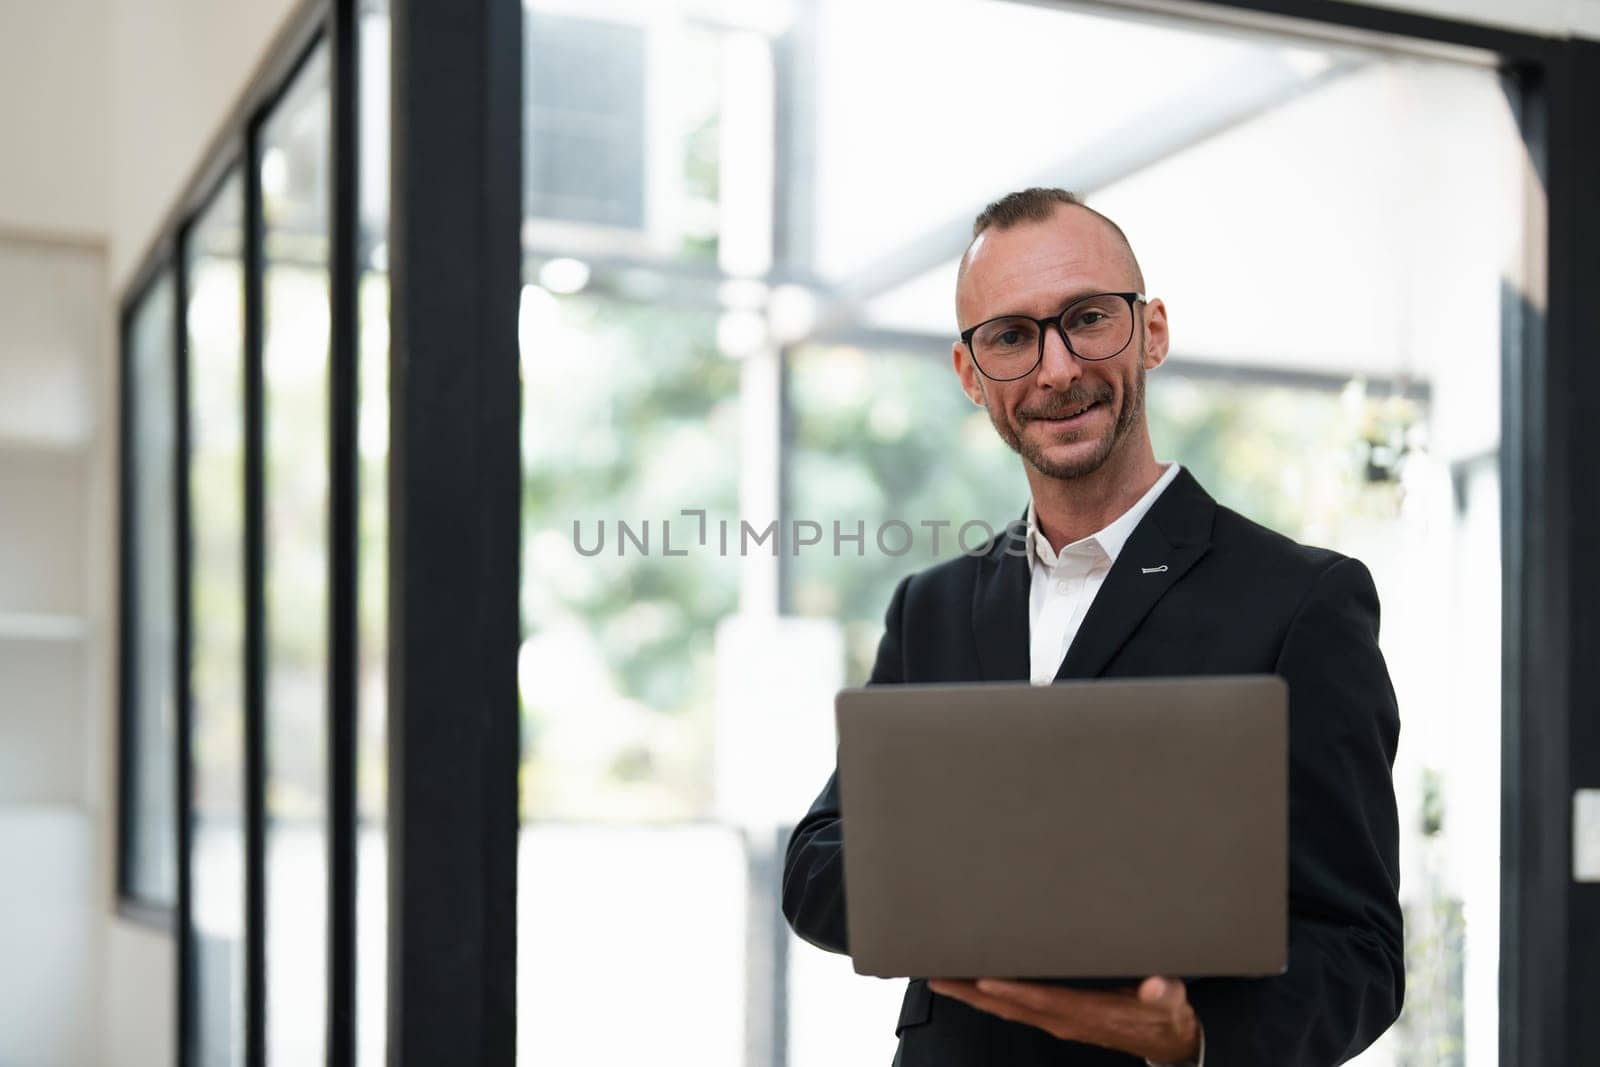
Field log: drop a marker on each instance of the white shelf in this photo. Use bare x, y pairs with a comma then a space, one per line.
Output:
37, 627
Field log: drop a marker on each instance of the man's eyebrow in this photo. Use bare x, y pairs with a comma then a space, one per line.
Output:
1061, 305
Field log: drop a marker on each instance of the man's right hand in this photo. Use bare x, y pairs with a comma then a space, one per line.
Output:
1154, 1021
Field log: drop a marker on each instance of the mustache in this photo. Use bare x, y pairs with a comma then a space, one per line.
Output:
1064, 404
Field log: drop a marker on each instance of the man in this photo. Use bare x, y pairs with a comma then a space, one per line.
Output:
1128, 568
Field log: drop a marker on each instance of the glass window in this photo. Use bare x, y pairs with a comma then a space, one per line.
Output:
294, 183
1345, 396
150, 873
744, 313
631, 412
294, 177
585, 120
618, 666
664, 905
885, 435
215, 323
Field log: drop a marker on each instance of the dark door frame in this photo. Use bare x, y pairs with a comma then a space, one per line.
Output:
455, 506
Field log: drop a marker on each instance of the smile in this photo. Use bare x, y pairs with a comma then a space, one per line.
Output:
1069, 416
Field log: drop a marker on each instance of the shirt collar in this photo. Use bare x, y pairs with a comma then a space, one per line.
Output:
1107, 541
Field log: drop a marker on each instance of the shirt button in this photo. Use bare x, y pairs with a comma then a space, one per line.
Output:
1062, 586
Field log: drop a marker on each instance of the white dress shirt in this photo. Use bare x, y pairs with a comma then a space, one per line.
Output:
1063, 586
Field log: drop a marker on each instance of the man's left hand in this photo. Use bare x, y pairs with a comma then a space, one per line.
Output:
1154, 1021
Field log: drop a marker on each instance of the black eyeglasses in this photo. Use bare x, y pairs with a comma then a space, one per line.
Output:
1093, 327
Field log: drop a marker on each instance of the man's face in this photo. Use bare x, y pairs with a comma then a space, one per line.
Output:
1037, 269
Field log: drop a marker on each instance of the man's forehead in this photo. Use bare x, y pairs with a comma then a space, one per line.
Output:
1072, 242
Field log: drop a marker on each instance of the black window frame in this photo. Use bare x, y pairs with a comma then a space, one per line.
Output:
236, 148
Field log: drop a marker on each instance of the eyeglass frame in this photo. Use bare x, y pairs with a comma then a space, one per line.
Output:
1057, 320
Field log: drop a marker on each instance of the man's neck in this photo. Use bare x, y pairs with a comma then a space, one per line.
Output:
1070, 509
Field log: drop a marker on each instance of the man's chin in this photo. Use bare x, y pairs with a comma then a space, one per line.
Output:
1067, 459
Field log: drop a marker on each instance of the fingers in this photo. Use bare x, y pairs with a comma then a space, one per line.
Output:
1034, 995
1060, 1011
1055, 1000
1152, 1020
1003, 1007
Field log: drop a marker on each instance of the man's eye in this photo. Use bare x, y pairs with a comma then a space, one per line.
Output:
1009, 337
1085, 319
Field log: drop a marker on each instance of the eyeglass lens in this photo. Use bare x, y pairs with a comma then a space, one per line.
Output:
1097, 327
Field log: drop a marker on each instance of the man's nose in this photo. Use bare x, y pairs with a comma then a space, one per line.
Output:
1058, 368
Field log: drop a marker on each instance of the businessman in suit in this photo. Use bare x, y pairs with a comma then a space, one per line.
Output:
1123, 568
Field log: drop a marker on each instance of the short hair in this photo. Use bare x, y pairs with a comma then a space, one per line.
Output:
1025, 205
1037, 204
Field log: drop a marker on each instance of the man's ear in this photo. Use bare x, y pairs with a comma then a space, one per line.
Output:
1156, 338
961, 359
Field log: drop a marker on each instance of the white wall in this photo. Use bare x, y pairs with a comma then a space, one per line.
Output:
53, 642
54, 98
176, 69
54, 899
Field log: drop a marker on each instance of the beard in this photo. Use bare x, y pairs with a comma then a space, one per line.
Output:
1033, 453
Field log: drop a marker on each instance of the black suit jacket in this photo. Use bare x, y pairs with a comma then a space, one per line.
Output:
1235, 598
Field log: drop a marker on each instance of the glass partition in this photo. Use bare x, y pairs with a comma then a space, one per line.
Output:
149, 806
294, 177
740, 267
214, 256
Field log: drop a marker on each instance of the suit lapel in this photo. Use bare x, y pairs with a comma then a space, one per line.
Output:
1171, 538
1000, 609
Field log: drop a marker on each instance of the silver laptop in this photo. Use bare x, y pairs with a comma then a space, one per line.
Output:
1099, 829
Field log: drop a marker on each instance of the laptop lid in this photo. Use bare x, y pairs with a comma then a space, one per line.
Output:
1091, 829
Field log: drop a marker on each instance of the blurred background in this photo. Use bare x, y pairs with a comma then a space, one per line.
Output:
741, 227
742, 230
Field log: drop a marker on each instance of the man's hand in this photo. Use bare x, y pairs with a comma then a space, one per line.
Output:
1154, 1022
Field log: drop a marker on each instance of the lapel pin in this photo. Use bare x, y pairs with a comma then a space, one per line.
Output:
1153, 570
